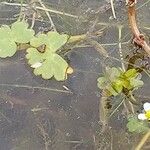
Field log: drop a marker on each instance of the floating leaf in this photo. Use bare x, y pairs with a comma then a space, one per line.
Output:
18, 32
52, 40
7, 45
51, 64
48, 63
7, 48
5, 33
21, 32
136, 125
56, 40
39, 40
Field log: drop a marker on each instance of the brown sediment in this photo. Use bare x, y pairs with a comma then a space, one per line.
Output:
139, 39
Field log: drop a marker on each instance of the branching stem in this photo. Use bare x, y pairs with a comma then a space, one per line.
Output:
139, 38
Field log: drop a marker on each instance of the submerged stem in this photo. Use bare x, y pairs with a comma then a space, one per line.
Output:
143, 141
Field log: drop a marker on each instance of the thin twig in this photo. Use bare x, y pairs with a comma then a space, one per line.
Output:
41, 8
123, 66
33, 20
113, 9
34, 87
143, 141
48, 15
120, 46
116, 108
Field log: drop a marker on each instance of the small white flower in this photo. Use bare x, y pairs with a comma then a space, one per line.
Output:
36, 65
146, 114
146, 106
142, 117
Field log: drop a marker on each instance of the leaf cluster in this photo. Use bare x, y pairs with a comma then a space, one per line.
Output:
49, 63
115, 79
10, 37
42, 51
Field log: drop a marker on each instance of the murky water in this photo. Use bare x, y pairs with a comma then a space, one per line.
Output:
42, 115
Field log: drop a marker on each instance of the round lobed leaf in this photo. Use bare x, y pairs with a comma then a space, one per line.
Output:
39, 40
56, 40
5, 32
137, 126
21, 33
34, 56
7, 48
49, 64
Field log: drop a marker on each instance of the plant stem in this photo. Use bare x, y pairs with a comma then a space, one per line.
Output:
48, 15
113, 9
143, 140
41, 8
139, 38
34, 87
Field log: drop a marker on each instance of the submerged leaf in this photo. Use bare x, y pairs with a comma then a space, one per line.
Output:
136, 125
102, 82
112, 73
136, 82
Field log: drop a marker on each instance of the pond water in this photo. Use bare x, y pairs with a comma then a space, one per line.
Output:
37, 114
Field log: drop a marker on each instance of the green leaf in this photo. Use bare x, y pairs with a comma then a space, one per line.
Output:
52, 40
136, 83
9, 36
102, 82
137, 126
39, 40
7, 48
117, 85
21, 33
126, 84
52, 64
7, 45
131, 73
112, 91
34, 56
112, 73
56, 40
5, 32
48, 63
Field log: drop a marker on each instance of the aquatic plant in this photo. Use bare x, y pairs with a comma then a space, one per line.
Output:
115, 80
41, 49
44, 54
136, 125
